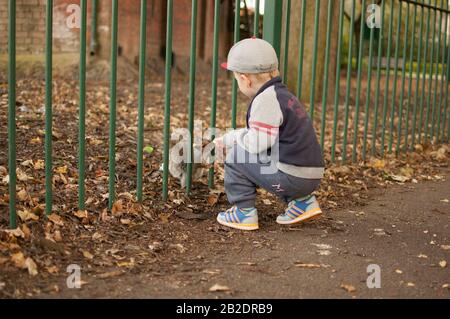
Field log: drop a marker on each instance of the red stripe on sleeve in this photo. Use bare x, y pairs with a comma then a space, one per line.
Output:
263, 125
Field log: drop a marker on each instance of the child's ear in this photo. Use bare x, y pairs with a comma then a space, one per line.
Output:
247, 80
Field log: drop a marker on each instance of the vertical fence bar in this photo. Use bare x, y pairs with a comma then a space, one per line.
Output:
141, 107
430, 81
48, 106
12, 112
192, 71
338, 78
82, 111
445, 81
358, 85
237, 34
325, 76
388, 69
417, 88
447, 77
257, 18
94, 43
348, 84
394, 90
410, 80
314, 64
301, 50
443, 76
113, 103
168, 89
377, 89
436, 83
215, 70
424, 74
273, 17
368, 92
286, 40
402, 92
446, 97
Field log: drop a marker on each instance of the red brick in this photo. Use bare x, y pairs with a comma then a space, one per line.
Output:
31, 27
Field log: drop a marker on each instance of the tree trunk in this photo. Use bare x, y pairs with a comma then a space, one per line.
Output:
309, 47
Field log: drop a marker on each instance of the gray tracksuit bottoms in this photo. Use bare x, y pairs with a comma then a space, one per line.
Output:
244, 177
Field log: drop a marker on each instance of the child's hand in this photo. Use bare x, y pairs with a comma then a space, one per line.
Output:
218, 142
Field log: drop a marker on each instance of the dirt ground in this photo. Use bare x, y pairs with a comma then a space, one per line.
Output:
392, 212
404, 229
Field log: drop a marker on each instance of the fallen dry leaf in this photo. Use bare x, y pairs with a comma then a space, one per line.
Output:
441, 154
52, 269
81, 214
127, 264
56, 219
26, 231
110, 274
26, 215
443, 263
117, 208
57, 236
125, 221
212, 199
36, 140
302, 265
31, 266
311, 266
27, 163
322, 246
219, 288
104, 215
61, 170
5, 180
39, 165
379, 164
324, 252
445, 247
18, 259
87, 254
21, 176
22, 195
164, 218
15, 232
400, 178
246, 264
178, 247
97, 236
348, 288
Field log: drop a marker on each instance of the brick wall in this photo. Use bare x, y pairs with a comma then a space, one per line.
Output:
31, 27
129, 18
129, 28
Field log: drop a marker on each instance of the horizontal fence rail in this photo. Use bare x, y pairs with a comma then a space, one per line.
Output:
381, 67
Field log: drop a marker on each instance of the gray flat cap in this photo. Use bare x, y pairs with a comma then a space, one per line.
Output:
252, 56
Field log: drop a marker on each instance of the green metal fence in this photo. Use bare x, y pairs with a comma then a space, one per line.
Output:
407, 55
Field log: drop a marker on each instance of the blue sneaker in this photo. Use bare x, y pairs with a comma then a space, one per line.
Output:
246, 219
300, 210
